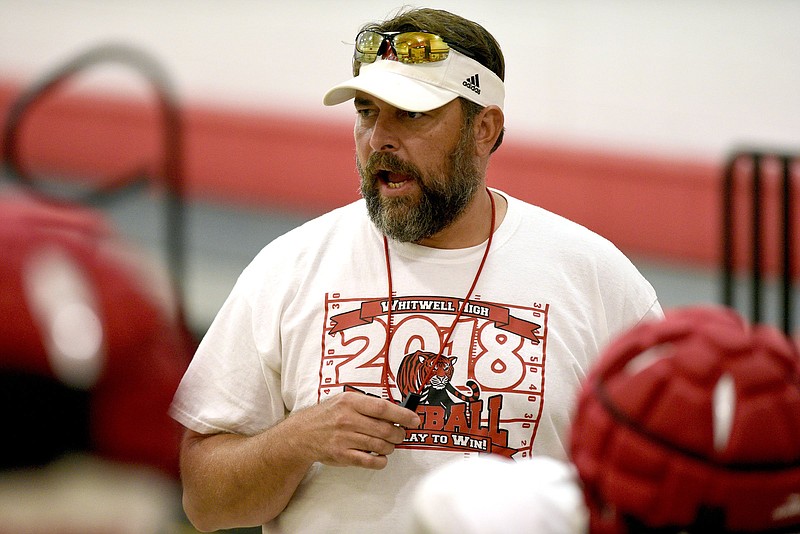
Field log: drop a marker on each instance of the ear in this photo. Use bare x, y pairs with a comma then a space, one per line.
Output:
487, 127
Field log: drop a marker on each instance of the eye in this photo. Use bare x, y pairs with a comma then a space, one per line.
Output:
364, 113
414, 114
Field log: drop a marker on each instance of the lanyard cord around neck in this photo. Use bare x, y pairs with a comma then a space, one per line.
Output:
385, 377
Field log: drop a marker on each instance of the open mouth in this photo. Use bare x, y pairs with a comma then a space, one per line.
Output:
393, 180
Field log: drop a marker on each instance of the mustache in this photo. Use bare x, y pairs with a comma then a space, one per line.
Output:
387, 162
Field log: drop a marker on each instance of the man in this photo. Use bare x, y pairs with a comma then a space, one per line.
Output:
483, 310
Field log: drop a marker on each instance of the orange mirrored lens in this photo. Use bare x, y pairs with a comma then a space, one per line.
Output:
420, 47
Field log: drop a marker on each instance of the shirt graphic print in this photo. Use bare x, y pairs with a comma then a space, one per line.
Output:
485, 396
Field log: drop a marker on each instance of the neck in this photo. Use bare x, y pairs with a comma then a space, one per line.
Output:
412, 397
473, 226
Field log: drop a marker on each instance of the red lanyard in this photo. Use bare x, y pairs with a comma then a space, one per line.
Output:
385, 377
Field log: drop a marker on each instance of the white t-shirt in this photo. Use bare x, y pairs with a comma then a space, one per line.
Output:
308, 317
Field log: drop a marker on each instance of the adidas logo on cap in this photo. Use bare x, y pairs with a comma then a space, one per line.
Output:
473, 83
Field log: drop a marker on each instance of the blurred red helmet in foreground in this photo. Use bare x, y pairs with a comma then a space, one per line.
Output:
692, 424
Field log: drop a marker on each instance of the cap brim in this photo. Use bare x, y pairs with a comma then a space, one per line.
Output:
391, 87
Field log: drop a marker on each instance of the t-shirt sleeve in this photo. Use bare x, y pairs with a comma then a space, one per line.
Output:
230, 386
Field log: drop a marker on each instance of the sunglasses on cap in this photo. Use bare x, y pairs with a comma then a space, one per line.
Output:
406, 47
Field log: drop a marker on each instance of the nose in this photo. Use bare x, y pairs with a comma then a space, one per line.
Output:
383, 137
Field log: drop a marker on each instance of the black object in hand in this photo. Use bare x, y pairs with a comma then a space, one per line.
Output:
411, 401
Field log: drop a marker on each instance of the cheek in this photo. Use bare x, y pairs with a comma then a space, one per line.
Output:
431, 160
435, 147
362, 144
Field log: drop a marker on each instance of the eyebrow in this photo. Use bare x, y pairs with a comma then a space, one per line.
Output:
362, 101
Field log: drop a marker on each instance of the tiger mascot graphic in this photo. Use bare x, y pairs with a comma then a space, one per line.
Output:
436, 390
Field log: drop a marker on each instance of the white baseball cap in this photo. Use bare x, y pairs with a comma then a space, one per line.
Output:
423, 86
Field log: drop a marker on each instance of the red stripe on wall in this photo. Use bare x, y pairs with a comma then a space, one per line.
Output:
657, 207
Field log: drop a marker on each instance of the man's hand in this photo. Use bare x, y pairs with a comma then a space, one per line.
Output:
353, 429
233, 480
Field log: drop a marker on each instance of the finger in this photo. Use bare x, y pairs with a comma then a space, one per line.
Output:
375, 436
351, 420
389, 432
397, 435
376, 446
367, 460
388, 411
356, 457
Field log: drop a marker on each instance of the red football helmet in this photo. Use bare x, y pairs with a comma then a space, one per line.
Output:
692, 424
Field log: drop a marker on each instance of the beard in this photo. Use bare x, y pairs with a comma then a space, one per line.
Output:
443, 197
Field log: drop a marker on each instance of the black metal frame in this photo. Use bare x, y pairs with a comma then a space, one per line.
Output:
729, 227
171, 166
